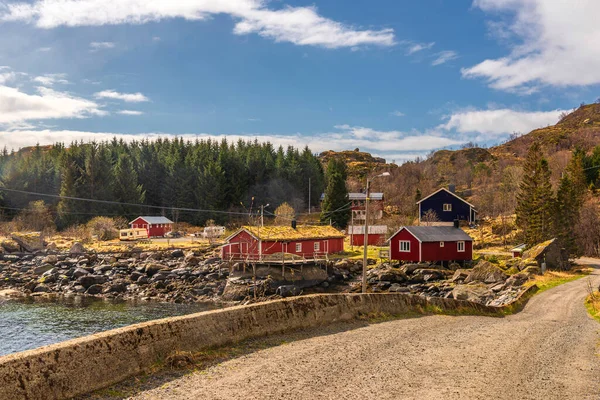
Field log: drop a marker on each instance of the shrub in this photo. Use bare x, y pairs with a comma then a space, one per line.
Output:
104, 228
36, 217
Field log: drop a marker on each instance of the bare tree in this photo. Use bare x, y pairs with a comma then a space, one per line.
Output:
430, 217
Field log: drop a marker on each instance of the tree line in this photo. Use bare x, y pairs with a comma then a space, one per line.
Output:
161, 175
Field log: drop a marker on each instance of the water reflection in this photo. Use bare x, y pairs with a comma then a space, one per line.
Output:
33, 322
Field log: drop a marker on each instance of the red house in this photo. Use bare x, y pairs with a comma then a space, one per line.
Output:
310, 242
431, 244
377, 235
156, 226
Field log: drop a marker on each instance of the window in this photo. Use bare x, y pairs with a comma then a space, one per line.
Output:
298, 247
317, 246
404, 246
460, 246
441, 244
447, 207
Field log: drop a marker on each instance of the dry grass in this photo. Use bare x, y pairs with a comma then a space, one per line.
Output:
592, 303
554, 278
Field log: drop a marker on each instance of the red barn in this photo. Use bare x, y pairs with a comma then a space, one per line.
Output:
377, 235
310, 242
431, 244
156, 226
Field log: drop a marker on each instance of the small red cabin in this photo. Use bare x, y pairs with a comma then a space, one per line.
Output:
310, 242
431, 244
156, 226
377, 235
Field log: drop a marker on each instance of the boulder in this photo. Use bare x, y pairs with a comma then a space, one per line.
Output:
532, 270
77, 248
396, 288
429, 274
460, 275
42, 268
517, 279
486, 272
410, 268
50, 259
288, 290
94, 289
153, 268
391, 275
478, 293
177, 253
79, 272
41, 288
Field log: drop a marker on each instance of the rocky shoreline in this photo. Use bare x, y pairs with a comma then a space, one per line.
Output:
199, 276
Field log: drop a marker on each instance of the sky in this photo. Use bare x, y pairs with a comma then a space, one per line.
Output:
396, 78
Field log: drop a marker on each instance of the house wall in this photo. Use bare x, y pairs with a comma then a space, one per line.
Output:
460, 209
433, 252
396, 254
328, 246
373, 240
154, 230
241, 244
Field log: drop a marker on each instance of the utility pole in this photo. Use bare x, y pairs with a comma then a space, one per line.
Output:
366, 240
262, 216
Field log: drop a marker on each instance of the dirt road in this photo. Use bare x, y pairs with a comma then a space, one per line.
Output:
548, 351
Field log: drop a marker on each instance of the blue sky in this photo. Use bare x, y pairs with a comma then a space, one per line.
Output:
397, 78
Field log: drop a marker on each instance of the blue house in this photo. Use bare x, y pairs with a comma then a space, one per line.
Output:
447, 207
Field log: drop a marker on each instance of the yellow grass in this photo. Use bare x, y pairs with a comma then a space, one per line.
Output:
592, 303
554, 278
289, 233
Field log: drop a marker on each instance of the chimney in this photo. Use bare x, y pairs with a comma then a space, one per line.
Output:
456, 223
294, 224
452, 188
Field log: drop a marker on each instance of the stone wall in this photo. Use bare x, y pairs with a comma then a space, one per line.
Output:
93, 362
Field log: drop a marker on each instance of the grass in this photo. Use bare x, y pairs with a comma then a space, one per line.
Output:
592, 303
554, 278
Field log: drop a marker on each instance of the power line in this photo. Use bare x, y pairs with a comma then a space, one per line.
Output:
119, 203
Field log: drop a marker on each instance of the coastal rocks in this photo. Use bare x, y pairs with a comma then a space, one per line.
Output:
41, 269
486, 272
77, 248
477, 292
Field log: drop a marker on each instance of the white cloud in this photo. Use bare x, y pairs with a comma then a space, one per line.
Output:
415, 48
490, 124
556, 45
16, 107
96, 46
298, 25
444, 56
397, 114
6, 76
51, 79
127, 97
130, 112
44, 49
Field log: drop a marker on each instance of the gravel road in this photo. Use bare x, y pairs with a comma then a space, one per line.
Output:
547, 351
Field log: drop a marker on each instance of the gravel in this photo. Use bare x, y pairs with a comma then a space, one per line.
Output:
547, 351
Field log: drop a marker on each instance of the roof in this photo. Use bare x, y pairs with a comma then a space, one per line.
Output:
373, 229
436, 233
360, 196
520, 247
285, 233
446, 190
539, 249
155, 220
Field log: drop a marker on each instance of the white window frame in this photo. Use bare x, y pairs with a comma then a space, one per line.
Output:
460, 246
447, 206
441, 244
317, 246
404, 246
298, 247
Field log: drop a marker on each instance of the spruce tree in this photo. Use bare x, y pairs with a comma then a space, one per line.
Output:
335, 206
535, 201
126, 187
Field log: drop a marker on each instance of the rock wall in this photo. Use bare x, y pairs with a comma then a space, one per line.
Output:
82, 365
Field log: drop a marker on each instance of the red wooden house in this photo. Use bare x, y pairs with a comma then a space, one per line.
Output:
310, 242
431, 244
156, 226
377, 235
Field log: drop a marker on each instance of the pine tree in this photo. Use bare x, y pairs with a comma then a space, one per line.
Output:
126, 187
535, 201
335, 206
